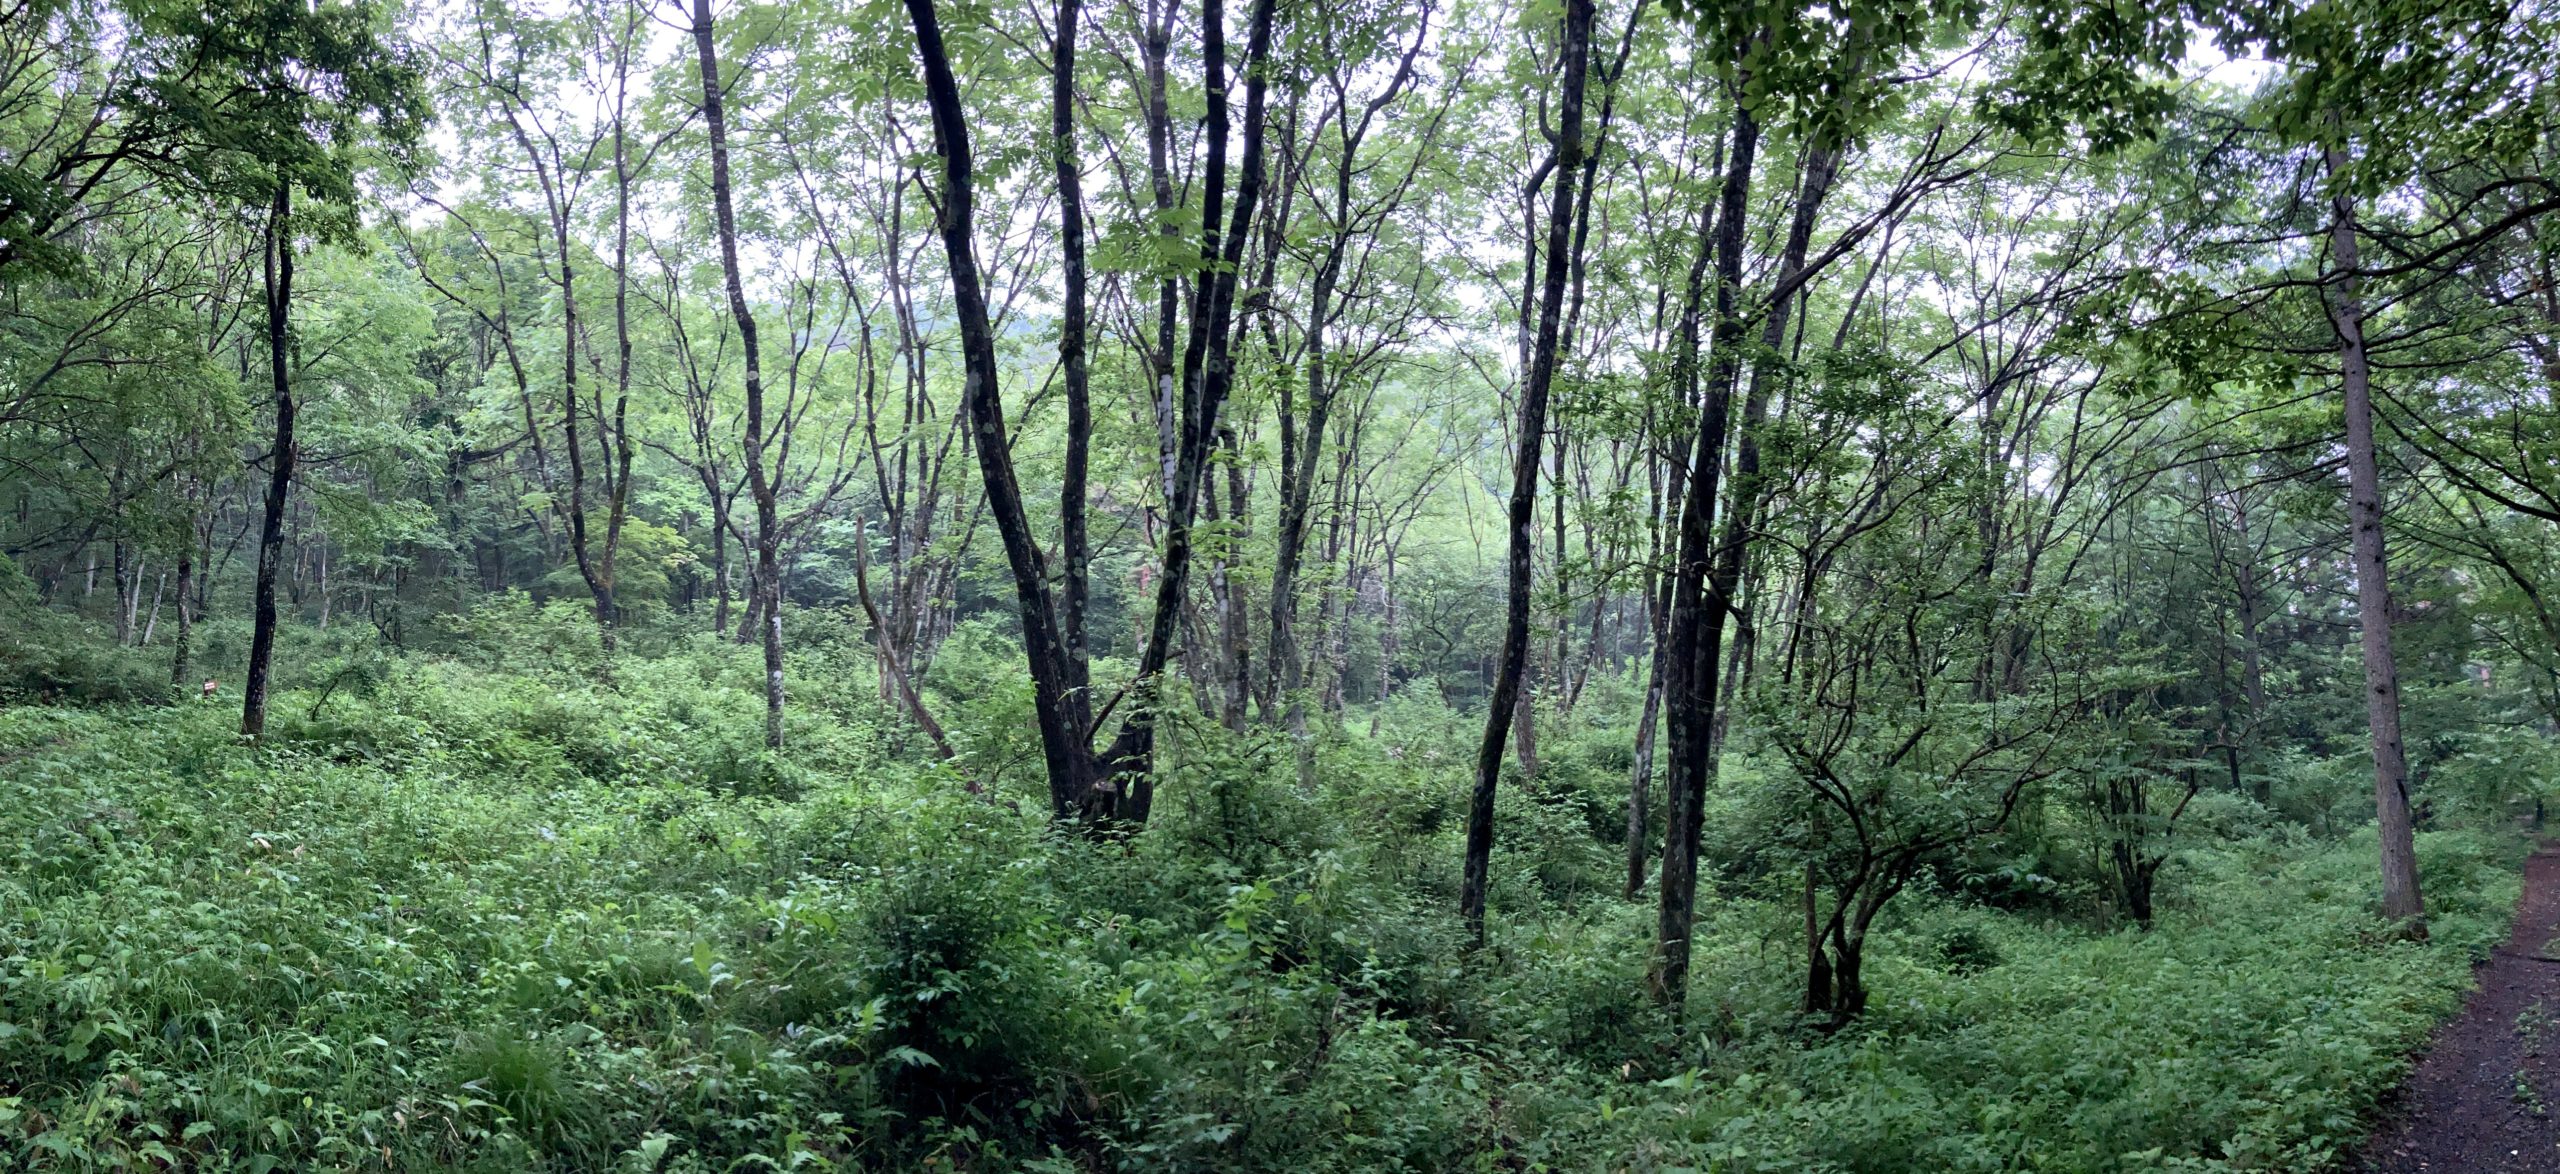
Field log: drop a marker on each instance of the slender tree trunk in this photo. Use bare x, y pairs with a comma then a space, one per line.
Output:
1284, 672
1208, 374
1820, 165
581, 546
2400, 897
767, 584
1390, 643
1235, 628
1666, 516
185, 649
896, 678
2251, 596
1158, 48
262, 636
151, 622
1640, 776
204, 554
1538, 382
1694, 643
1072, 540
719, 573
618, 474
127, 578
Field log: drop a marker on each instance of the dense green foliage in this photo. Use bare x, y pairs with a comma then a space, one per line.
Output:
1425, 584
502, 918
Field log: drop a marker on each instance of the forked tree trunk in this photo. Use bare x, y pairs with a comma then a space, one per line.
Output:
1063, 740
1123, 791
1108, 790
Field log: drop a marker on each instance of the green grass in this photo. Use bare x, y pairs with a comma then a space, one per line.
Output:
475, 921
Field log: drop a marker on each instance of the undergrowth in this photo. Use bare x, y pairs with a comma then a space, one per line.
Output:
506, 919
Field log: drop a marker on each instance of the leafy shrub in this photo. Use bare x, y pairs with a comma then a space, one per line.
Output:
972, 1011
48, 656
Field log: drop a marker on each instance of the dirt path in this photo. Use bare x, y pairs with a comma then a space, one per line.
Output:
2486, 1097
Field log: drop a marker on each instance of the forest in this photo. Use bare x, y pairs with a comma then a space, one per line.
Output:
1294, 585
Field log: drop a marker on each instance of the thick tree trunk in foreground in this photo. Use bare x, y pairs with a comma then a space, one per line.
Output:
2400, 897
262, 639
1539, 380
767, 581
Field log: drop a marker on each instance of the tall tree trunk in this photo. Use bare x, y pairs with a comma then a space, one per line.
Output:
1539, 381
581, 547
618, 474
204, 553
1109, 790
1072, 541
767, 583
1640, 775
1694, 636
1666, 517
262, 636
2247, 588
1158, 49
1208, 373
1235, 628
1284, 670
719, 570
1063, 740
128, 587
151, 622
2400, 897
1819, 166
